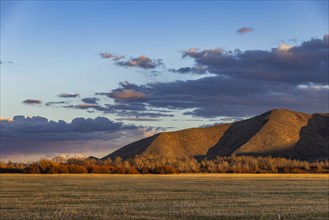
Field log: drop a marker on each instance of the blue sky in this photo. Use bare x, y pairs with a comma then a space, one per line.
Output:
53, 47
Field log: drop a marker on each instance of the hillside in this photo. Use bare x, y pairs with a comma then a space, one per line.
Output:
185, 143
276, 133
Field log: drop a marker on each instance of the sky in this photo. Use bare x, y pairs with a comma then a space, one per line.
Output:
87, 77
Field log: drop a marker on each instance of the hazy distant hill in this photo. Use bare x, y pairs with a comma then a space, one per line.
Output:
277, 133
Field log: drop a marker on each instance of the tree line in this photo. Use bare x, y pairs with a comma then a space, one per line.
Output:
152, 164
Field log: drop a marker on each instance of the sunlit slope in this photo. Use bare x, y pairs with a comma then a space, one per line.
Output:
184, 143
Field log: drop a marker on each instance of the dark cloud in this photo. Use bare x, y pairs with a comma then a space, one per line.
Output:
92, 100
299, 64
138, 119
140, 114
190, 70
196, 53
32, 102
56, 103
138, 110
87, 106
245, 30
68, 95
38, 135
244, 83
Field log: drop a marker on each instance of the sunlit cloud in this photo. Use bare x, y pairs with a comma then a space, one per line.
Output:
127, 94
284, 47
142, 62
313, 86
107, 55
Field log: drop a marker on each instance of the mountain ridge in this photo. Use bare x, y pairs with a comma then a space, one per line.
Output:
276, 133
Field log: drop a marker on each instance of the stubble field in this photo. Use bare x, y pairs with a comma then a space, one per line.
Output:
191, 196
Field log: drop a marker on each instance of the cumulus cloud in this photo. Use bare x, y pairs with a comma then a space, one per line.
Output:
32, 102
38, 135
245, 30
296, 65
68, 95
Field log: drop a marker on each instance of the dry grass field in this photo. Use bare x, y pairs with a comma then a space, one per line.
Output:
191, 196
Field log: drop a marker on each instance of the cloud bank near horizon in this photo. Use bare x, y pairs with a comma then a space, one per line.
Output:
38, 135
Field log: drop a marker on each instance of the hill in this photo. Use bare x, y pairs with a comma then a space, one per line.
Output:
276, 133
184, 143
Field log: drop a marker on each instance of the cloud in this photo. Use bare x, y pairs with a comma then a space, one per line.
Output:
87, 105
32, 102
196, 53
56, 103
38, 135
287, 64
313, 86
138, 119
6, 119
127, 94
107, 55
190, 70
92, 100
6, 62
68, 95
142, 62
243, 83
245, 30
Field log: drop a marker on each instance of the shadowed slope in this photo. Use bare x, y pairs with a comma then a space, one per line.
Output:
238, 134
277, 133
314, 139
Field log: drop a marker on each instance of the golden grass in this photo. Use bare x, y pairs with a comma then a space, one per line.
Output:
181, 196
